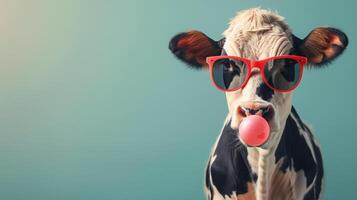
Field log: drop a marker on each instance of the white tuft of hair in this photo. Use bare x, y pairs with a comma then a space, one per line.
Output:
254, 20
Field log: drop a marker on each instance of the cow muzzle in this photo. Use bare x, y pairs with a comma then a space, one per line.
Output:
264, 110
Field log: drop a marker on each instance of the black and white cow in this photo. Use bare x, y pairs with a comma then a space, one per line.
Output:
289, 165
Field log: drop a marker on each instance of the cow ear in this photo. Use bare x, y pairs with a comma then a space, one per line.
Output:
193, 47
322, 45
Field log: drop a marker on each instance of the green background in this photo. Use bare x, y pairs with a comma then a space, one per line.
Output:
94, 106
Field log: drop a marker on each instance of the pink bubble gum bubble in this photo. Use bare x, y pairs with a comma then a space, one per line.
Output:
254, 130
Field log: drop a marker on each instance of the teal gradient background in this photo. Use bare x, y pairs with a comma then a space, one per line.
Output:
94, 106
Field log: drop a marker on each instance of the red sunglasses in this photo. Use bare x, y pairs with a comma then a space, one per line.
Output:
280, 73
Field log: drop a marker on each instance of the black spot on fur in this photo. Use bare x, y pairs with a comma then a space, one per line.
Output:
207, 178
301, 124
297, 155
255, 177
207, 174
229, 170
264, 92
315, 191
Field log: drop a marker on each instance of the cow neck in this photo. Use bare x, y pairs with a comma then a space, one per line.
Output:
262, 163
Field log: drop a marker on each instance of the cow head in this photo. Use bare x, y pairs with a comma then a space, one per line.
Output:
258, 34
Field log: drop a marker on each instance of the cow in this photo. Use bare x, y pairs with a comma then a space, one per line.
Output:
288, 166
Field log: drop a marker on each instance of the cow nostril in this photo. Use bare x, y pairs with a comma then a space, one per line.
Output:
242, 111
268, 112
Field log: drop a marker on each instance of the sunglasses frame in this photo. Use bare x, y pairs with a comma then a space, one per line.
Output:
260, 64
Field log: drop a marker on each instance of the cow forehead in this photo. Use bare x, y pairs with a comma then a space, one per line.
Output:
257, 34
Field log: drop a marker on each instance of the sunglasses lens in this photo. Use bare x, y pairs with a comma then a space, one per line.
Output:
282, 74
229, 74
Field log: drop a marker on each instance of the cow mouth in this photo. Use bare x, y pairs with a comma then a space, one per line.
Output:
267, 113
